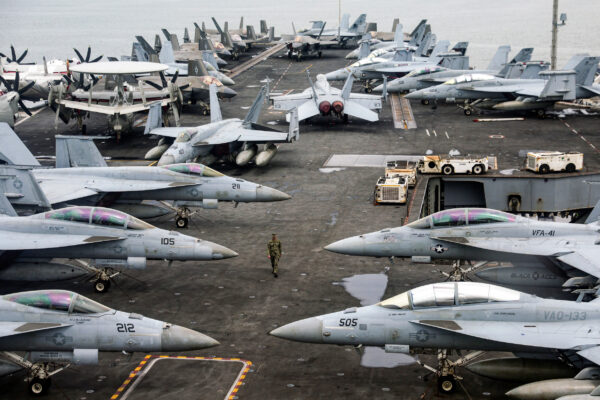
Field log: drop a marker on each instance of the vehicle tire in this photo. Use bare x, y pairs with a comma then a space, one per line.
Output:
446, 384
181, 222
425, 102
447, 169
540, 113
570, 167
468, 112
544, 169
101, 285
205, 111
478, 169
39, 387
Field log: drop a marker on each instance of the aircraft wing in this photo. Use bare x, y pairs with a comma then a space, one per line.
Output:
528, 90
575, 253
60, 191
552, 335
18, 328
168, 132
109, 110
259, 136
36, 241
355, 109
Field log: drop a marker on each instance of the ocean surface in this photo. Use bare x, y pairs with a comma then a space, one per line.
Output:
53, 28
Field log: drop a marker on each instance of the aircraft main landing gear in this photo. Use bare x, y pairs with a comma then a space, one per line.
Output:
38, 375
182, 219
447, 379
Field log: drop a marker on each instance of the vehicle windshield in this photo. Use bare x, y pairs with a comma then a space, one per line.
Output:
97, 216
57, 300
469, 78
461, 217
447, 294
424, 71
193, 169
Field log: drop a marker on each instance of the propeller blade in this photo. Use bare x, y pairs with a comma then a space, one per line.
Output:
2, 55
163, 80
24, 108
16, 82
89, 53
26, 87
79, 55
94, 79
97, 59
12, 51
6, 84
22, 56
68, 79
154, 85
174, 78
187, 85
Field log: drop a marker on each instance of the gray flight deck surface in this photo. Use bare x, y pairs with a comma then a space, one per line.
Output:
237, 301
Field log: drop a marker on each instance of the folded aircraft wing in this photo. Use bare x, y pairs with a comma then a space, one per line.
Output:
109, 110
36, 241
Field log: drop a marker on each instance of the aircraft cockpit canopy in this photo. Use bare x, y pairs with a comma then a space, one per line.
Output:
184, 136
57, 300
448, 294
97, 216
424, 71
461, 217
469, 78
193, 169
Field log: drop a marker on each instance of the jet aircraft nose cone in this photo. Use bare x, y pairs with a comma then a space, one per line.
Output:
178, 338
354, 246
416, 95
337, 75
221, 252
227, 93
308, 330
264, 193
378, 89
166, 159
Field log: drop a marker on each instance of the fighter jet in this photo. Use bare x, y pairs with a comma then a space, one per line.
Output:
345, 35
575, 81
187, 50
81, 177
491, 235
11, 101
58, 328
232, 42
431, 76
112, 238
235, 137
321, 98
300, 46
461, 316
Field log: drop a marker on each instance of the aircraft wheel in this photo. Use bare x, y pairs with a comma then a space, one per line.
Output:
205, 111
181, 222
540, 113
101, 285
425, 102
447, 169
38, 386
83, 129
570, 167
544, 169
368, 89
478, 169
446, 384
320, 54
468, 112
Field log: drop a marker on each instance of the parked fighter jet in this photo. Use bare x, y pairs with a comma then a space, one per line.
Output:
462, 316
232, 42
81, 177
431, 76
233, 137
187, 50
300, 46
111, 237
321, 98
345, 35
368, 44
491, 235
58, 327
11, 101
575, 81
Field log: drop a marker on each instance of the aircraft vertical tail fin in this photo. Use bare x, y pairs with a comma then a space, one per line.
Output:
12, 149
294, 128
398, 34
175, 42
461, 47
294, 28
197, 35
499, 59
560, 85
417, 35
402, 55
594, 214
154, 117
523, 55
360, 25
157, 44
77, 151
395, 24
454, 61
166, 55
241, 23
371, 27
166, 33
186, 35
532, 70
45, 65
272, 34
19, 190
216, 26
440, 47
263, 27
364, 49
5, 207
424, 45
209, 57
345, 22
146, 47
322, 29
585, 68
250, 32
347, 88
215, 107
256, 108
197, 68
312, 86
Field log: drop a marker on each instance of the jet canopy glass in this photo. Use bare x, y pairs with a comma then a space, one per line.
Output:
57, 300
448, 294
424, 71
185, 136
193, 169
469, 78
97, 216
462, 217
